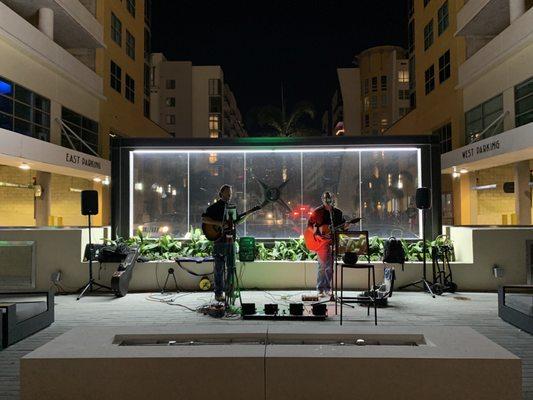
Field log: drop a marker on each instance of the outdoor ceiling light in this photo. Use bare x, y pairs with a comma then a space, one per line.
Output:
463, 171
24, 166
139, 186
455, 174
97, 180
106, 181
485, 187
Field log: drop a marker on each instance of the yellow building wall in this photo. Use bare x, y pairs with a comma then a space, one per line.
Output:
494, 207
16, 205
445, 103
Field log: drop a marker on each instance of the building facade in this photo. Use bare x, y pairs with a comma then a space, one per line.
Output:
492, 171
192, 100
373, 95
50, 94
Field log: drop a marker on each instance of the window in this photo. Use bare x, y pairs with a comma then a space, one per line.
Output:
116, 77
523, 94
214, 126
410, 8
366, 103
481, 117
403, 94
428, 35
148, 12
403, 76
130, 5
130, 45
412, 75
215, 87
411, 36
444, 67
445, 135
147, 44
404, 111
146, 80
130, 88
383, 82
367, 120
116, 29
375, 84
443, 18
170, 84
429, 76
383, 100
170, 119
215, 104
374, 101
24, 111
170, 102
146, 108
85, 128
366, 86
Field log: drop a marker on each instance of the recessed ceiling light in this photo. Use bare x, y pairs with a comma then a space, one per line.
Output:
24, 166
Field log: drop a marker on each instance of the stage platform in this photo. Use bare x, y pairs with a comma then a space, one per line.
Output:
477, 310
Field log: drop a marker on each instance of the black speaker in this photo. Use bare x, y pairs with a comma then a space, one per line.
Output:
89, 202
423, 198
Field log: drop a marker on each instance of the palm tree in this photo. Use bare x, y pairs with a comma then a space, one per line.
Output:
283, 125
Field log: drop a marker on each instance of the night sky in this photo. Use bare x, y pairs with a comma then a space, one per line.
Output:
260, 44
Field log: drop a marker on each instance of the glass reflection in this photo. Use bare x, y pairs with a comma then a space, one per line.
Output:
172, 190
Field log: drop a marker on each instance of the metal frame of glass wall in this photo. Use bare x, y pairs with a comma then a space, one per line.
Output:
200, 157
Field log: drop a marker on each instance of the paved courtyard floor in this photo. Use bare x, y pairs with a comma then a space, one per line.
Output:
477, 310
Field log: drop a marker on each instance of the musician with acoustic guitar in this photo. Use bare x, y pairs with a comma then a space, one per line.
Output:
318, 228
217, 227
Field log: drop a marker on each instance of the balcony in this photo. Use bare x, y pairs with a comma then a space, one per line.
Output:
486, 52
23, 36
74, 25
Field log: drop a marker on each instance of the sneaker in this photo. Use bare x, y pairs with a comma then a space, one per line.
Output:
220, 297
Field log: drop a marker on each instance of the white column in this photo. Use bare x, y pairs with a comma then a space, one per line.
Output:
522, 192
516, 9
46, 22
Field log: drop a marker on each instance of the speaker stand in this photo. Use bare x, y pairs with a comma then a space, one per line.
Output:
422, 283
90, 286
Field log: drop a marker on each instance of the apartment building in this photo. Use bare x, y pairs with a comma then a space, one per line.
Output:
50, 94
192, 100
492, 170
374, 94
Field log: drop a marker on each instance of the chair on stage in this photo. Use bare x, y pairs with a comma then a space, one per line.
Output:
356, 242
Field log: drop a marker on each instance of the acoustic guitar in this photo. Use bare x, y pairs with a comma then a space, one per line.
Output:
215, 232
316, 238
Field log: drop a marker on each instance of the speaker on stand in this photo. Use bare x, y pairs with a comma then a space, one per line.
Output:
89, 206
423, 202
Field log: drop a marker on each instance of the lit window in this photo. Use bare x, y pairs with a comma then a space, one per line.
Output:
214, 122
403, 76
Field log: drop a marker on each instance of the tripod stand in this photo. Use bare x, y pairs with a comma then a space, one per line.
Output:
91, 284
422, 283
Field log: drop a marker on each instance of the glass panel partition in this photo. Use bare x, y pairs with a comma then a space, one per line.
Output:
171, 189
